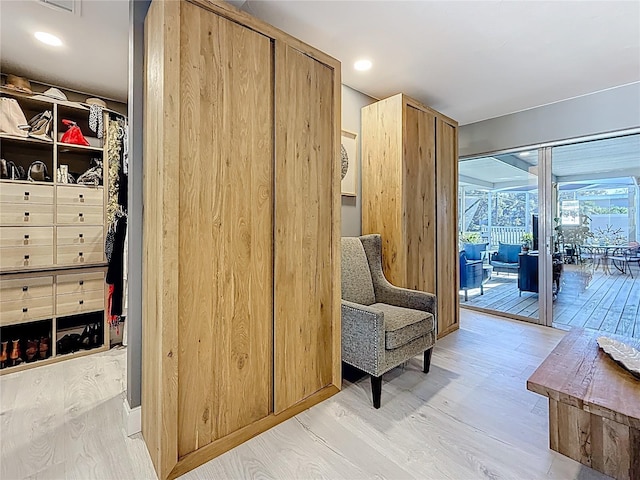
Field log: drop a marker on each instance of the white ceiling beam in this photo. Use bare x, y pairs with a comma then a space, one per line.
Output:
475, 181
594, 177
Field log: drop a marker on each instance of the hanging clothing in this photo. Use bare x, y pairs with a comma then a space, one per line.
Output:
116, 266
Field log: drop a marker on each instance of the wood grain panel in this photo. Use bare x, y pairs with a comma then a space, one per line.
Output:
304, 227
447, 237
160, 236
420, 198
226, 299
382, 177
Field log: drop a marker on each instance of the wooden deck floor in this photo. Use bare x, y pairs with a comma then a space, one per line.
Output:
587, 298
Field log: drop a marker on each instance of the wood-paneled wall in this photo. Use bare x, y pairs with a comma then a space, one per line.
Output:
409, 196
241, 316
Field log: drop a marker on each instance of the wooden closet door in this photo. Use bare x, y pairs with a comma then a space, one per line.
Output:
304, 226
420, 199
225, 228
447, 237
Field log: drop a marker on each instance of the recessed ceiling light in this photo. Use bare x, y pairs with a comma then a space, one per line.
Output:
48, 39
362, 65
524, 154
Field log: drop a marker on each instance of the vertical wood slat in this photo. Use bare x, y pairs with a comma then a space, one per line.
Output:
447, 231
382, 183
420, 199
225, 267
160, 231
305, 171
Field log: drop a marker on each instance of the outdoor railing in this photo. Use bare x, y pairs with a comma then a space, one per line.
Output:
502, 235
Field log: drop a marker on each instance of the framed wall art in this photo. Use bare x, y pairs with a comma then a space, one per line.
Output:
349, 163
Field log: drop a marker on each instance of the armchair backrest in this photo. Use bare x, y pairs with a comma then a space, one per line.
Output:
475, 251
508, 252
357, 285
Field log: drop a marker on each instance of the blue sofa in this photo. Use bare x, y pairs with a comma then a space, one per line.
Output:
506, 258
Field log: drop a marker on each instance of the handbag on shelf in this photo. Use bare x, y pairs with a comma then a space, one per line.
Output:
11, 117
38, 172
93, 176
40, 126
11, 171
73, 135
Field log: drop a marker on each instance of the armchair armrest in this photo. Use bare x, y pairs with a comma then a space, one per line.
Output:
404, 297
363, 337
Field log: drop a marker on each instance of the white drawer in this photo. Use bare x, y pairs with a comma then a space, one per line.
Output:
80, 283
80, 254
21, 214
26, 257
22, 311
80, 195
80, 214
26, 288
73, 303
26, 236
26, 194
82, 235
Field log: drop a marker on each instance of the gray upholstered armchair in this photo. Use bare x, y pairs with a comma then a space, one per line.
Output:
382, 325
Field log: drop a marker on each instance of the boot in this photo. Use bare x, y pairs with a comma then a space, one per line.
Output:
4, 354
14, 356
44, 348
32, 350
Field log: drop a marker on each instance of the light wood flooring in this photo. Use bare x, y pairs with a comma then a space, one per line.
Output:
471, 417
588, 298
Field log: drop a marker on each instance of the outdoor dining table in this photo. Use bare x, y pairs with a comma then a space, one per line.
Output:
605, 252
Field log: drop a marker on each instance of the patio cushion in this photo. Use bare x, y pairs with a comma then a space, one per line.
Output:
402, 325
474, 251
508, 252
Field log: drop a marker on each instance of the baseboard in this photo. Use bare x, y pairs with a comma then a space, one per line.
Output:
131, 418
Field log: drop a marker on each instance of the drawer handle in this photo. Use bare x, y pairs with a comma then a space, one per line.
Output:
25, 288
81, 302
24, 309
26, 257
26, 214
79, 254
26, 195
81, 235
26, 237
80, 214
81, 282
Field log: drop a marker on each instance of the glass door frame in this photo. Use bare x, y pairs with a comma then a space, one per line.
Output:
545, 211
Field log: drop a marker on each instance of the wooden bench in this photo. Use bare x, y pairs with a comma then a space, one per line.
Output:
594, 405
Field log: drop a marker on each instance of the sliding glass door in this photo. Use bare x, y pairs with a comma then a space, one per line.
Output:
595, 210
498, 234
556, 230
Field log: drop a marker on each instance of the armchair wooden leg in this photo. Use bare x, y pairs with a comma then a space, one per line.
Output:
376, 390
427, 360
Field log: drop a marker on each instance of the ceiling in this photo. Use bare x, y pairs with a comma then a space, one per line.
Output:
472, 60
94, 55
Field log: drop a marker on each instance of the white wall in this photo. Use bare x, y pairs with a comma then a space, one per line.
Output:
602, 112
352, 103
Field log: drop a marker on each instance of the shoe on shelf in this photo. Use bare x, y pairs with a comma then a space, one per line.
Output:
43, 351
32, 350
4, 354
15, 355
